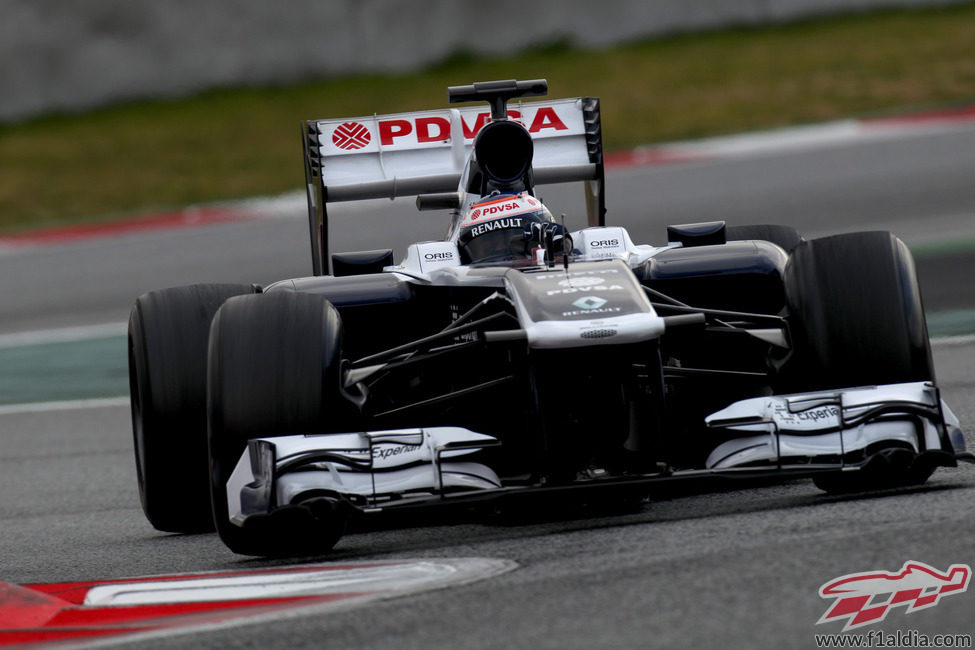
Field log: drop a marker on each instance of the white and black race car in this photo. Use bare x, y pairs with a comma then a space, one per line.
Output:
517, 358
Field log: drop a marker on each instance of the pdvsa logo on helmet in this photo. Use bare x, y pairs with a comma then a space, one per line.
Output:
501, 209
866, 598
494, 209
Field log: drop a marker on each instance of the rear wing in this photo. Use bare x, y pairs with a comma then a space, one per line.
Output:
405, 154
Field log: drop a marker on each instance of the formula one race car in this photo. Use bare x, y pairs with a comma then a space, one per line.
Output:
517, 358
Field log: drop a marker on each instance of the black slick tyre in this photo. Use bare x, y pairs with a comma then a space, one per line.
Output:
167, 347
856, 314
273, 370
857, 319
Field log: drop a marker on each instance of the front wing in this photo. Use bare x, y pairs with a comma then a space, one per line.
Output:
784, 435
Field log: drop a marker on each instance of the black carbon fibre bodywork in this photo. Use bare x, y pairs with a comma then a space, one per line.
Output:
742, 276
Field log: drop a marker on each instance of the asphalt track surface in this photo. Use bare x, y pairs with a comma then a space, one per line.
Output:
731, 568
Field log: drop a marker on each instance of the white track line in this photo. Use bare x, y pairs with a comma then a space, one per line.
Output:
66, 405
949, 341
63, 334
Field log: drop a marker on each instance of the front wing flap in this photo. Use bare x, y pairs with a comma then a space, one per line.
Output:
843, 425
366, 469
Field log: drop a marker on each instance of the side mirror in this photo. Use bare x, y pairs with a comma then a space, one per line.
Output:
697, 234
361, 262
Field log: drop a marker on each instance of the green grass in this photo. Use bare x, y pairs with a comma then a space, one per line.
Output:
244, 142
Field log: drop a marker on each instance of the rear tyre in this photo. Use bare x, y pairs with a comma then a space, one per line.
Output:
273, 370
857, 319
167, 348
785, 237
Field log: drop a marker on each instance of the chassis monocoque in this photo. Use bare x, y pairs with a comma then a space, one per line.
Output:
598, 367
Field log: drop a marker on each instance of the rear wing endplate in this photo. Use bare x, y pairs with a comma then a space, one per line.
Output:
405, 154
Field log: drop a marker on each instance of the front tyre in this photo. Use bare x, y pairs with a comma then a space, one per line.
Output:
167, 347
857, 319
855, 313
273, 370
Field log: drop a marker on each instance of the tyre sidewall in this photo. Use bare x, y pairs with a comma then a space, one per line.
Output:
167, 336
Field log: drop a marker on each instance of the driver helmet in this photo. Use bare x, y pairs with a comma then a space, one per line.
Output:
494, 229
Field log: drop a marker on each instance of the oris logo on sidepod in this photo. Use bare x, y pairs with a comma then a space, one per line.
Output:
439, 257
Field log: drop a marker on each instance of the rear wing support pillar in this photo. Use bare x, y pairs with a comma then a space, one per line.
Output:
596, 187
317, 210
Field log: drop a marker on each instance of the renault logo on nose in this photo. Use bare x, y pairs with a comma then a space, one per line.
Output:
589, 302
